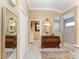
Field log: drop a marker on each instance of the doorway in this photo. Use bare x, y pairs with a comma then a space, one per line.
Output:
35, 32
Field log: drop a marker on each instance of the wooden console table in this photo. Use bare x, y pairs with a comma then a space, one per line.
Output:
50, 41
10, 41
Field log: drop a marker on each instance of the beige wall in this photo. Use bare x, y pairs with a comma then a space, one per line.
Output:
5, 3
77, 24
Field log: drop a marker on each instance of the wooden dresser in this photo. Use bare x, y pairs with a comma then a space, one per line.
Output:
50, 41
10, 41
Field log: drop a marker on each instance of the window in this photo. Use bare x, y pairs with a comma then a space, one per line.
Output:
69, 28
56, 24
69, 22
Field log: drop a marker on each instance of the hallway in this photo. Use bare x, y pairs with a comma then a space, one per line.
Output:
39, 29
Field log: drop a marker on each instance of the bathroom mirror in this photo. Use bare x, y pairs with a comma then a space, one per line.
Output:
47, 26
9, 34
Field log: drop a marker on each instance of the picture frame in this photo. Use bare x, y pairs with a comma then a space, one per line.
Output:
9, 32
10, 21
37, 26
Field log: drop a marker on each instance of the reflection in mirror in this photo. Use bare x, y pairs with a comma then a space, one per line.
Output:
9, 34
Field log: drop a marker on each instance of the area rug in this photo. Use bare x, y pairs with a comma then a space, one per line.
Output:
56, 55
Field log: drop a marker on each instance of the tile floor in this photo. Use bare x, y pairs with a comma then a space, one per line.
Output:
10, 53
34, 51
58, 54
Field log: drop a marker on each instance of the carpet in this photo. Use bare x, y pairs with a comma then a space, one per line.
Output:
56, 55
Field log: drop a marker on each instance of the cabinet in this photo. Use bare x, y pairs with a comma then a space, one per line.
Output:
50, 41
10, 41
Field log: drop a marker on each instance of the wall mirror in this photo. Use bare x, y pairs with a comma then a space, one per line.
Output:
9, 34
47, 26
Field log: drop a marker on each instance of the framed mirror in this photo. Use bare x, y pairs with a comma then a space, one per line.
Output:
11, 26
9, 34
47, 26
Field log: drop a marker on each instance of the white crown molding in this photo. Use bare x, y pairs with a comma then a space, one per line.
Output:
52, 9
48, 9
69, 8
76, 4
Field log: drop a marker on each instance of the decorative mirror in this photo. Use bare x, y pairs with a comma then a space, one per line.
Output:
11, 25
9, 35
47, 26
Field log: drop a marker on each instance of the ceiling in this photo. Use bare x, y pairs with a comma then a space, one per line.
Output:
56, 5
